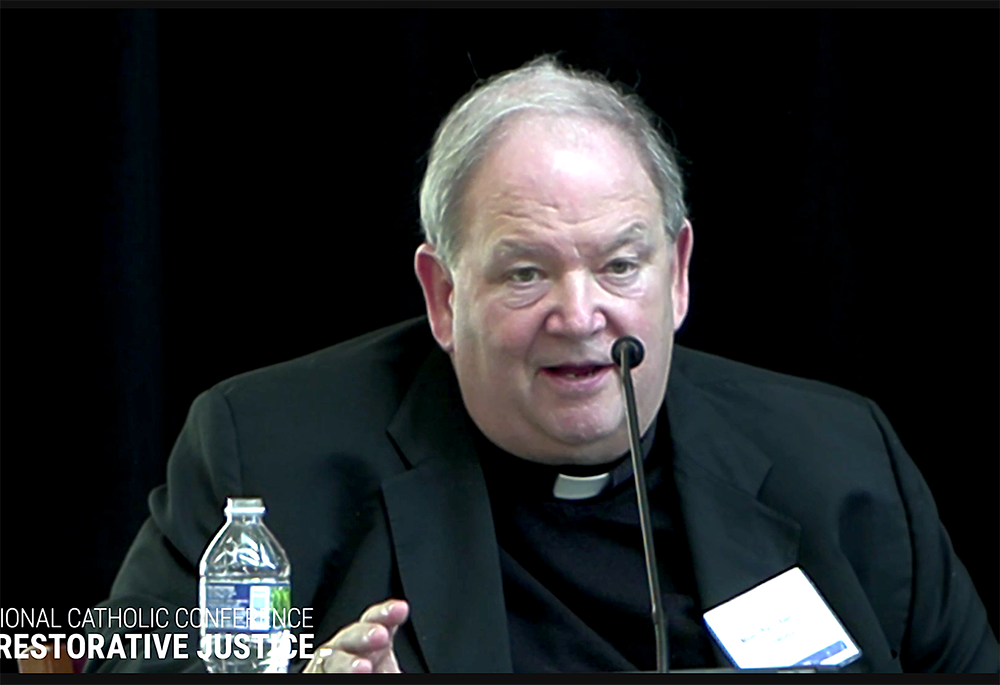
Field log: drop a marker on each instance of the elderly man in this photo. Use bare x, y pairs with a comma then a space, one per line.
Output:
455, 497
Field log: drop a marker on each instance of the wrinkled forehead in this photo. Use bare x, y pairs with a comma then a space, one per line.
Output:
572, 167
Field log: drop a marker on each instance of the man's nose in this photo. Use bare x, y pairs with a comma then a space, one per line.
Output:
577, 309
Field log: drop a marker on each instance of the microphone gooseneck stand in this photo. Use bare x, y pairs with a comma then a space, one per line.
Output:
628, 354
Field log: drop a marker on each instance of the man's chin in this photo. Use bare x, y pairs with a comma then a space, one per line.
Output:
588, 445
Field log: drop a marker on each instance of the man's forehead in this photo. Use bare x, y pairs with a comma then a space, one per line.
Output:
536, 169
525, 195
541, 147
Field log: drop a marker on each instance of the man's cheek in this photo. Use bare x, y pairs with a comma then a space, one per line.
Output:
510, 336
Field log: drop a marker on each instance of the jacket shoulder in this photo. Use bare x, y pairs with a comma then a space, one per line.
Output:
378, 359
338, 398
705, 371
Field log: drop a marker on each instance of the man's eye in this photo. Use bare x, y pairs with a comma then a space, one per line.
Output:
527, 274
621, 267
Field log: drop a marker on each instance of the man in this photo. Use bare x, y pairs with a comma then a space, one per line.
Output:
461, 501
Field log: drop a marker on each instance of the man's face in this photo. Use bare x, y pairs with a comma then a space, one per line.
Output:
562, 250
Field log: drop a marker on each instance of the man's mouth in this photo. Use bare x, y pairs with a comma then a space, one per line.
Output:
576, 371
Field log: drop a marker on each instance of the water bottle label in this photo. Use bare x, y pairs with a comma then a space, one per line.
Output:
246, 607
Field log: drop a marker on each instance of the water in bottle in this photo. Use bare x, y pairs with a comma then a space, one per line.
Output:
244, 595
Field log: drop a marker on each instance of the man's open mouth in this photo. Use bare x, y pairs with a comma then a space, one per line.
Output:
571, 372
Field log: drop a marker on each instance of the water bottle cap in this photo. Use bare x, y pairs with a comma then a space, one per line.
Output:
244, 505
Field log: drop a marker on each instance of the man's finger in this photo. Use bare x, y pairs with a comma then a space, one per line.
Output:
361, 638
390, 613
342, 662
335, 661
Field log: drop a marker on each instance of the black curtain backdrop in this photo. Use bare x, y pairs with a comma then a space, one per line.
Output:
187, 195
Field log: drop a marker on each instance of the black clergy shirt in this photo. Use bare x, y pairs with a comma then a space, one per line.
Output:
574, 572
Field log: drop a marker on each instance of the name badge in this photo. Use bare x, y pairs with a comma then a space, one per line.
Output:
780, 623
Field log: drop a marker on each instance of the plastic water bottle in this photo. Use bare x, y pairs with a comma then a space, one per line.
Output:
244, 595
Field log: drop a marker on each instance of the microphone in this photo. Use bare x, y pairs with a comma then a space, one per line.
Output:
630, 347
627, 353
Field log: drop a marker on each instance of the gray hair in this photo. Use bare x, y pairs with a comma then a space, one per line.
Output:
542, 86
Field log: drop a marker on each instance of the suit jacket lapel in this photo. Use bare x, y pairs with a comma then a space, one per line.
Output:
736, 541
442, 530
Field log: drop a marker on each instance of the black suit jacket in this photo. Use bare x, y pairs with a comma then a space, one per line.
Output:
364, 457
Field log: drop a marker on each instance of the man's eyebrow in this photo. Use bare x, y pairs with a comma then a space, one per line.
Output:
511, 249
636, 232
508, 249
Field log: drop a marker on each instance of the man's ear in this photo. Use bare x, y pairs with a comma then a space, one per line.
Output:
680, 289
435, 281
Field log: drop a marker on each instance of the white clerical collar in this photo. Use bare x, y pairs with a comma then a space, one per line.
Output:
506, 472
580, 487
569, 487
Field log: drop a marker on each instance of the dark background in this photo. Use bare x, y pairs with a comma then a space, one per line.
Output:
189, 194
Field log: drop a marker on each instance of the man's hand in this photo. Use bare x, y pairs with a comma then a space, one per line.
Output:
365, 646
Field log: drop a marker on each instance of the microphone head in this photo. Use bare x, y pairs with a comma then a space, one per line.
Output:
629, 346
